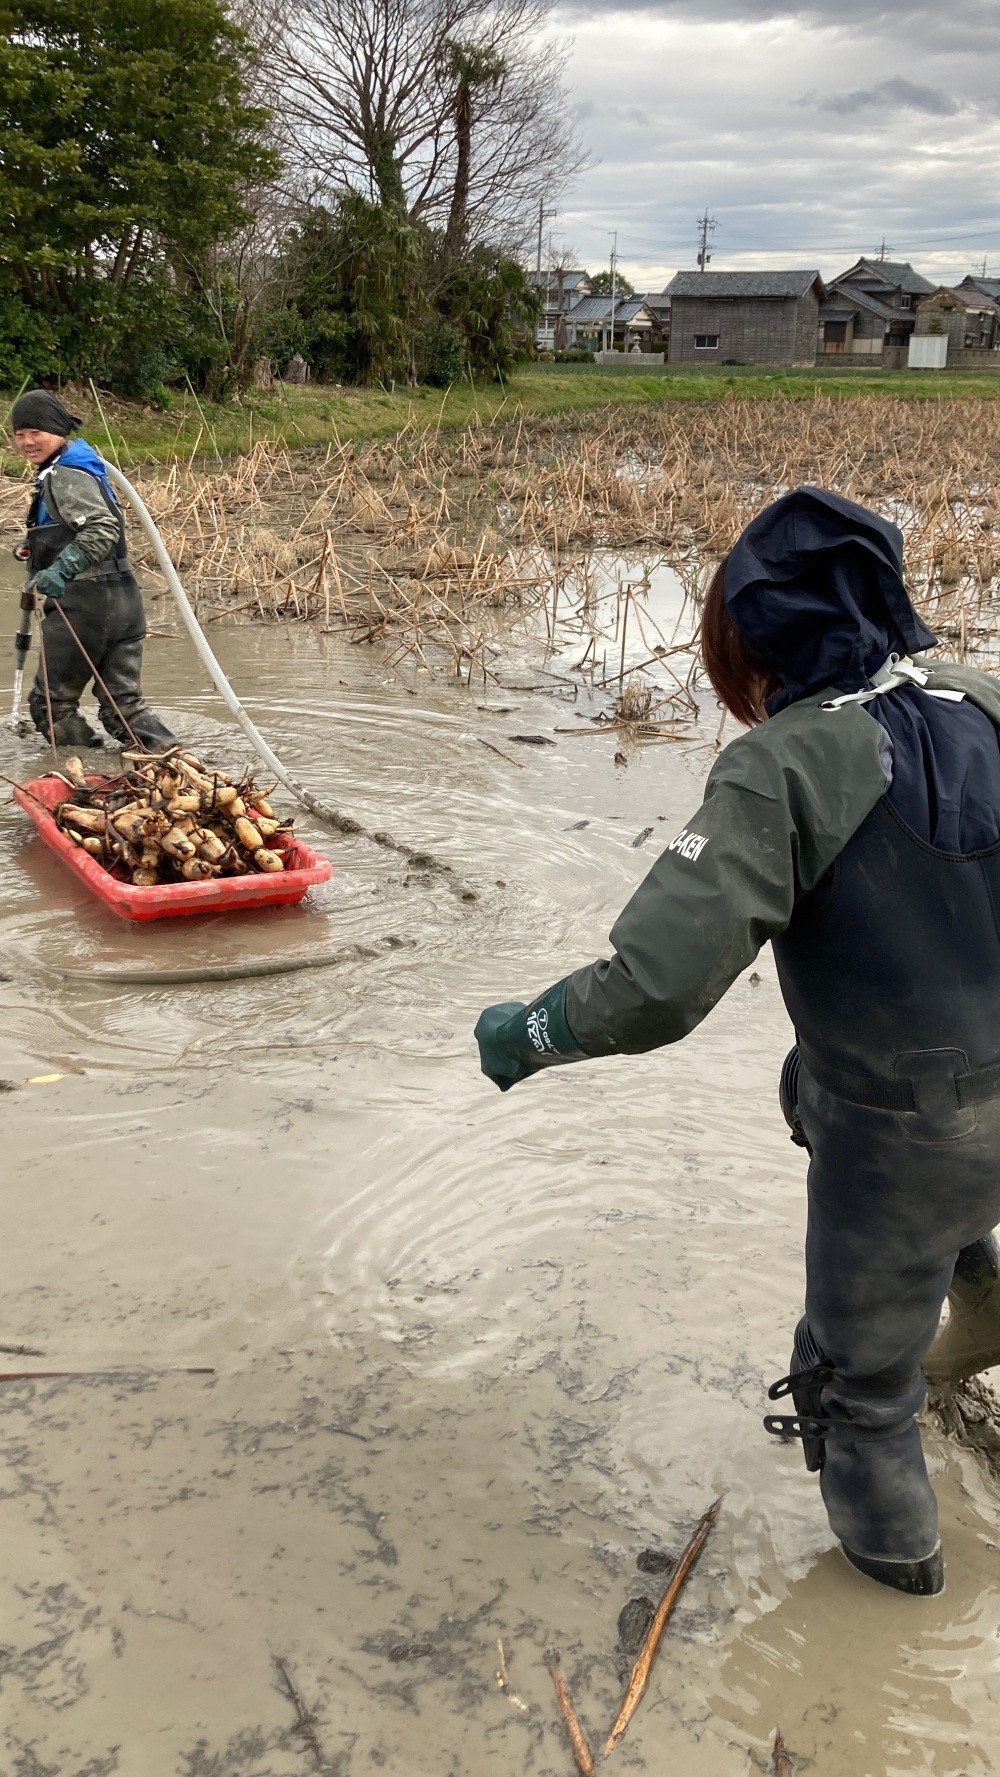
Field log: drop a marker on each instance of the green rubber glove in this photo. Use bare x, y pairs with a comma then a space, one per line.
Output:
516, 1040
51, 582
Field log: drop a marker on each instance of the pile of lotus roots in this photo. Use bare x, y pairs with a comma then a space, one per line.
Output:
171, 819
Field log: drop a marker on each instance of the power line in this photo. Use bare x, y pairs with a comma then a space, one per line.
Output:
905, 245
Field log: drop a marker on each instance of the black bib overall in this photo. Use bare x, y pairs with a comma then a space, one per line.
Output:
890, 972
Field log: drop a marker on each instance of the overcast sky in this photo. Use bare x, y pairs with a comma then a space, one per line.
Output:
809, 135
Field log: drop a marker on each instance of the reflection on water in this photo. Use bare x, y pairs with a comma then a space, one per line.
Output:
474, 1352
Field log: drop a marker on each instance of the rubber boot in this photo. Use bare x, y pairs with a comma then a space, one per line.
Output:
147, 727
873, 1478
882, 1507
123, 709
921, 1579
73, 731
969, 1340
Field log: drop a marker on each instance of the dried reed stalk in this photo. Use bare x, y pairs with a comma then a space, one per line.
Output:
436, 536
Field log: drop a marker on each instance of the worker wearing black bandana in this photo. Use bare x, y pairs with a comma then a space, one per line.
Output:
77, 558
858, 829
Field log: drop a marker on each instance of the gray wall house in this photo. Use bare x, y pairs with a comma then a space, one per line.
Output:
985, 286
870, 313
969, 319
735, 317
855, 327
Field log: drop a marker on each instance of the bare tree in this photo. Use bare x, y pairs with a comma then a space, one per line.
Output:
242, 280
453, 110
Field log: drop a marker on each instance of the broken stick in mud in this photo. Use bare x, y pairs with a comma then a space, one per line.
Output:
503, 1682
574, 1733
781, 1764
647, 1652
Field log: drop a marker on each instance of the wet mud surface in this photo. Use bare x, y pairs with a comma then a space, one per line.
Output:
480, 1359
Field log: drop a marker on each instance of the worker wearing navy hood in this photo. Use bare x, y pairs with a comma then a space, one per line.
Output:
857, 827
78, 561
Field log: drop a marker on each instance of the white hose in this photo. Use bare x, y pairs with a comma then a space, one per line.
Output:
342, 822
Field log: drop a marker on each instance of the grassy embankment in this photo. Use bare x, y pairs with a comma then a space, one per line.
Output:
314, 414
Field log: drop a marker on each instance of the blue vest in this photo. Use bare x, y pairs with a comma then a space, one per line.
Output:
77, 454
48, 536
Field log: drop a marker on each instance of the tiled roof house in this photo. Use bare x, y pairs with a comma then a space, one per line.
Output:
751, 317
870, 312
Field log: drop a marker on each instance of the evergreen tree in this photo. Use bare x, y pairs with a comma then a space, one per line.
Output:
127, 149
602, 285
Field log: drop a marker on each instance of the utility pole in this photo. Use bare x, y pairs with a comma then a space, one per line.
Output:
542, 213
614, 286
707, 224
882, 251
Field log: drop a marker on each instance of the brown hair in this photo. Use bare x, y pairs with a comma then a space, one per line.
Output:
739, 677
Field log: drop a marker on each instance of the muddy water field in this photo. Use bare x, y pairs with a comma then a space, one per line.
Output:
480, 1362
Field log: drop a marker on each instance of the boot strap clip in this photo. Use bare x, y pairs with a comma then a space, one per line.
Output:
800, 1425
821, 1373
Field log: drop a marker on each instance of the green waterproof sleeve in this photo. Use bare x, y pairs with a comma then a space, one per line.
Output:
781, 802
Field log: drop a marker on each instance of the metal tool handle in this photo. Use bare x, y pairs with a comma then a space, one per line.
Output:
22, 640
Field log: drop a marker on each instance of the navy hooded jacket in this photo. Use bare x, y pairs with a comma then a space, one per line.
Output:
815, 586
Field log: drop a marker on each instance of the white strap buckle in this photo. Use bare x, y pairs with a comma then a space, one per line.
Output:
897, 671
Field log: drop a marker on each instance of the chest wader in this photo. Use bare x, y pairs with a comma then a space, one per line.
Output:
105, 607
890, 972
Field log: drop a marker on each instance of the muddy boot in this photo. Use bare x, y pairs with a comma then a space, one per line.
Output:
921, 1579
75, 731
882, 1507
124, 711
969, 1340
70, 729
147, 727
873, 1478
140, 726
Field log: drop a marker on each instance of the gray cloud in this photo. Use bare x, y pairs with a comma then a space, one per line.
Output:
586, 109
971, 21
897, 137
888, 95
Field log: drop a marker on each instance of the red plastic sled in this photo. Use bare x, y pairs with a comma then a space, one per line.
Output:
222, 894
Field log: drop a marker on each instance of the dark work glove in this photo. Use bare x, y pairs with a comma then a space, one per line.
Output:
51, 582
516, 1040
